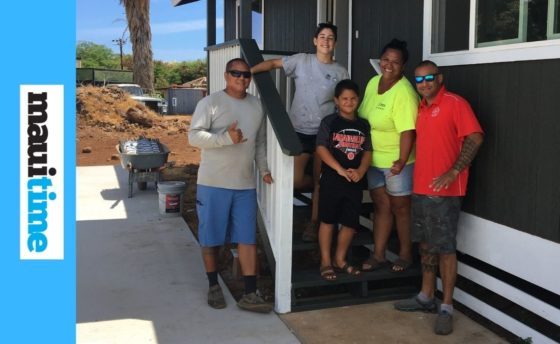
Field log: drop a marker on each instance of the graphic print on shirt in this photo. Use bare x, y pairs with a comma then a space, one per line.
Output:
349, 142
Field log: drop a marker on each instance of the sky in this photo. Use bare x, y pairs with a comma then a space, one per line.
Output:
178, 33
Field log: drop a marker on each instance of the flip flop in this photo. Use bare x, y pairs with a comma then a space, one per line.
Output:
400, 265
348, 269
327, 273
374, 264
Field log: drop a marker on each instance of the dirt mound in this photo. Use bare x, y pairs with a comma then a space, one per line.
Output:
107, 115
112, 108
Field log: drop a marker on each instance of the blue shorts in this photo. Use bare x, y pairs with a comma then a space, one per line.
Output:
399, 185
226, 215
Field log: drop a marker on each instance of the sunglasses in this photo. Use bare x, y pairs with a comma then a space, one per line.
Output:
428, 78
238, 74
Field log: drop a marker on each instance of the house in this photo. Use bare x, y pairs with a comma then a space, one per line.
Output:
504, 58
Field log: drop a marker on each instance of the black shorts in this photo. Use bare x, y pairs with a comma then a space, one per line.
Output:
340, 201
308, 142
434, 222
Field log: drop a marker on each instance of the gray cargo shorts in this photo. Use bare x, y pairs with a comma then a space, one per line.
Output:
434, 222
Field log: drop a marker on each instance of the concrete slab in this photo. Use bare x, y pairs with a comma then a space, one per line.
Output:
380, 323
140, 277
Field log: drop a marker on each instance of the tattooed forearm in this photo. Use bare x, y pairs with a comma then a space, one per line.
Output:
468, 152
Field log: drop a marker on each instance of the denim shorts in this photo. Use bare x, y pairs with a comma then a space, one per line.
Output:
434, 222
395, 185
226, 215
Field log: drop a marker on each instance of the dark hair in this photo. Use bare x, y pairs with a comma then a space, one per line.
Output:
322, 26
428, 63
397, 45
234, 61
346, 84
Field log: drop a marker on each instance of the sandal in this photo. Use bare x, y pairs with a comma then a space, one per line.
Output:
327, 273
373, 263
348, 269
401, 265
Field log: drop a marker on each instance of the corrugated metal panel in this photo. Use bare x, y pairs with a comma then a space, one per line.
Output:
289, 25
514, 179
218, 59
183, 100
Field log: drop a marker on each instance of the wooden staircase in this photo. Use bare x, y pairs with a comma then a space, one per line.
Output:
310, 291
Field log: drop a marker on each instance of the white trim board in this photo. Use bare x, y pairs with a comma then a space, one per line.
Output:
511, 293
498, 317
524, 255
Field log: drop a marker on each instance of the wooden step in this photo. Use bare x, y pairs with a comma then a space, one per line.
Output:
349, 298
310, 291
312, 277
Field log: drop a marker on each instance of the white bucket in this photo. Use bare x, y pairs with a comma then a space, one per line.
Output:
171, 197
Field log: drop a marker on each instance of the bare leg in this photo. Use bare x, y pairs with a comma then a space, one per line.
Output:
301, 180
210, 258
400, 207
382, 223
325, 243
248, 259
345, 236
429, 267
448, 271
315, 195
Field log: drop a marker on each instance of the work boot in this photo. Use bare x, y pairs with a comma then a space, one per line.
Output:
216, 297
444, 323
414, 304
253, 302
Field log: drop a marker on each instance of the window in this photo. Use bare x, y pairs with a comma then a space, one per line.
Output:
553, 28
482, 31
451, 30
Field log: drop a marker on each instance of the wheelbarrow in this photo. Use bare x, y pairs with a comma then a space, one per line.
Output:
142, 166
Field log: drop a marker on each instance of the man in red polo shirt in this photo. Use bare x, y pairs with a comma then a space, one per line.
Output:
448, 136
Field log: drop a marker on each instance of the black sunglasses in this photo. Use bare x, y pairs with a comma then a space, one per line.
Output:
429, 78
238, 74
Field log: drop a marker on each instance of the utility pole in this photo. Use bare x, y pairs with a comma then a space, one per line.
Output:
120, 42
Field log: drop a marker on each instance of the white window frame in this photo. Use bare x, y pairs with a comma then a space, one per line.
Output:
524, 51
550, 34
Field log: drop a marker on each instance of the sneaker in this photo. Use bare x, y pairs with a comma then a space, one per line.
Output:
414, 304
444, 323
216, 297
311, 232
254, 302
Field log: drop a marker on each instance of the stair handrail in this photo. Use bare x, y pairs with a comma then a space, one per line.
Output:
272, 103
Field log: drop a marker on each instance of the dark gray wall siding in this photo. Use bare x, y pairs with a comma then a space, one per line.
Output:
289, 25
377, 23
229, 20
515, 177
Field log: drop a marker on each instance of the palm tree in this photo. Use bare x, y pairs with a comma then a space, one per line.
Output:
138, 17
